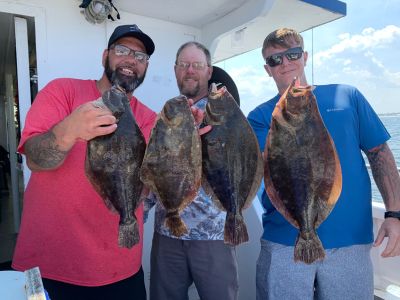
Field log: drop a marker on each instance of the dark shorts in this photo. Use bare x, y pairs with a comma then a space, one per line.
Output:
176, 264
131, 288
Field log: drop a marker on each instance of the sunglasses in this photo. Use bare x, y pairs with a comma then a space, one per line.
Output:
277, 58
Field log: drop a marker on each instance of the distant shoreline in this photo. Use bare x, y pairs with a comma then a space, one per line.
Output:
389, 114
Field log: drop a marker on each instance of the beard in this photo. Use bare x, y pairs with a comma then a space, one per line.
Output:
116, 77
189, 91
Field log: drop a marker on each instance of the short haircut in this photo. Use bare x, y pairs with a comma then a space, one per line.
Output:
199, 46
283, 37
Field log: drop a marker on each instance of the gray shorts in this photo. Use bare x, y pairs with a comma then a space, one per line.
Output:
345, 273
175, 264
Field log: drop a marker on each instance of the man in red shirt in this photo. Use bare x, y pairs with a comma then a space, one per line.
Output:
66, 228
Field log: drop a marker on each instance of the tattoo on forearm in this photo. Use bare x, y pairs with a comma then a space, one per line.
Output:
43, 150
385, 173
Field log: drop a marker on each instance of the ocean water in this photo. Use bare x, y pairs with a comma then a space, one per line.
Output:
392, 124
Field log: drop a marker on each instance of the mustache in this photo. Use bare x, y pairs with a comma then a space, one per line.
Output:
191, 77
128, 83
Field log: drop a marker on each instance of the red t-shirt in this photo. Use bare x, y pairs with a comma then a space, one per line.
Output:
66, 228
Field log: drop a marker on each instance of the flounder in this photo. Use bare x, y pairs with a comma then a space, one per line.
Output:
232, 161
112, 166
302, 171
172, 163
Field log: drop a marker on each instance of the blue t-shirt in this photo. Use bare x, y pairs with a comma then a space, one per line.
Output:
353, 125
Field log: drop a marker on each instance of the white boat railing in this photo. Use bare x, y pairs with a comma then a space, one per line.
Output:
386, 274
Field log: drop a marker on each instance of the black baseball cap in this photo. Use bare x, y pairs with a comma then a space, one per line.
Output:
133, 31
221, 76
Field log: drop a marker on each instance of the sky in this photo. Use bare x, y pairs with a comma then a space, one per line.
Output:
361, 49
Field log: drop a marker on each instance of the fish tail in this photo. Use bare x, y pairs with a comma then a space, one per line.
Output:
128, 234
308, 248
235, 231
174, 222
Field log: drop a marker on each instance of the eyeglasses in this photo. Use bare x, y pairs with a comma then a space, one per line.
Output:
197, 65
121, 50
277, 58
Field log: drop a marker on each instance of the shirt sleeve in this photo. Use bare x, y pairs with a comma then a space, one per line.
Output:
51, 106
372, 131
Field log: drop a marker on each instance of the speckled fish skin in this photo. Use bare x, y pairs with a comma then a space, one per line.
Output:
302, 171
112, 166
232, 162
172, 163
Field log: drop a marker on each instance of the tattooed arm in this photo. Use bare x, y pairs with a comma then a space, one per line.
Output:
385, 174
387, 179
43, 152
47, 151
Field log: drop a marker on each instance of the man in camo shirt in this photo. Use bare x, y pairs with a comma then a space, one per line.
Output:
199, 256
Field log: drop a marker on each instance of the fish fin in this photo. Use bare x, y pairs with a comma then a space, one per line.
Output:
210, 192
272, 193
337, 182
308, 250
175, 224
128, 234
235, 231
258, 177
109, 205
96, 186
142, 196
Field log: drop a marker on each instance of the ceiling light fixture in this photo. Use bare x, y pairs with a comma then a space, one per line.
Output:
96, 11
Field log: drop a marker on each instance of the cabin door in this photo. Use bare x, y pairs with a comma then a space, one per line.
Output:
18, 86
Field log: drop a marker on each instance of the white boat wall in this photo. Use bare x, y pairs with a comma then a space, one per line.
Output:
53, 39
386, 270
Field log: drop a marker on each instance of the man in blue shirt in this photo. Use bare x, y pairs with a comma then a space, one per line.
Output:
347, 235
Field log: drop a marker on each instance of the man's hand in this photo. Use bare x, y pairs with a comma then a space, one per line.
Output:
390, 228
88, 121
47, 151
198, 115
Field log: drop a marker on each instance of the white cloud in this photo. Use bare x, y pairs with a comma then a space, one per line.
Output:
368, 60
369, 38
347, 62
252, 81
254, 85
365, 60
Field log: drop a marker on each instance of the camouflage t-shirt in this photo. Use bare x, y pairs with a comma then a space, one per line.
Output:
203, 219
